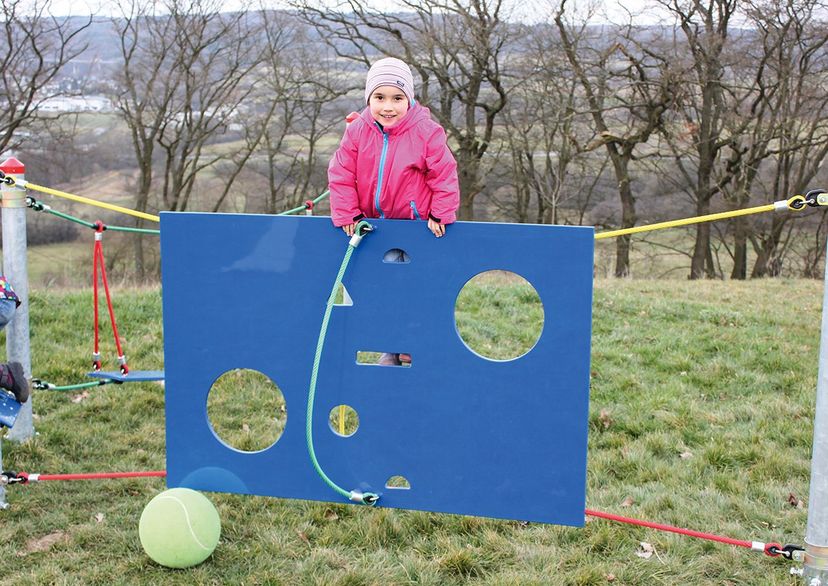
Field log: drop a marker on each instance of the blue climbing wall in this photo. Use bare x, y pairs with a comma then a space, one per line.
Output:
504, 439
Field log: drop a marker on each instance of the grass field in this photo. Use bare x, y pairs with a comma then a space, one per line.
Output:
701, 411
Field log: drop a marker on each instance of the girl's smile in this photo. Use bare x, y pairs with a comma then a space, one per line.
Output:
388, 105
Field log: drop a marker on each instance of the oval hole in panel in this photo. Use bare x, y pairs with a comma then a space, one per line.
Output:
499, 315
246, 410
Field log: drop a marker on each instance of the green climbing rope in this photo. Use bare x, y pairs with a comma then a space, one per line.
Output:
305, 207
42, 385
39, 206
355, 495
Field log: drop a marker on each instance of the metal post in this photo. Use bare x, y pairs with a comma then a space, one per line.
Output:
16, 269
815, 572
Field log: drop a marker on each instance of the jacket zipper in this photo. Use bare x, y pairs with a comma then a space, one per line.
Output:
415, 215
381, 169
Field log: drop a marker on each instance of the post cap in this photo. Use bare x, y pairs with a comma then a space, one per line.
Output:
12, 165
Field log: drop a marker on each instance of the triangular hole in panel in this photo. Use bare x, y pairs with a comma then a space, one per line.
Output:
342, 297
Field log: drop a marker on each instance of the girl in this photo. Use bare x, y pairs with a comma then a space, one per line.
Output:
393, 161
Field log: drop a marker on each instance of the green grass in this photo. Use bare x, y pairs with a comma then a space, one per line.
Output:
702, 402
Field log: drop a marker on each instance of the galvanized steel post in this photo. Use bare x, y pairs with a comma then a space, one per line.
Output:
16, 270
815, 572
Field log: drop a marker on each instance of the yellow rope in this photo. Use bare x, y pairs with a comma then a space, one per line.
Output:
797, 200
782, 204
86, 200
342, 420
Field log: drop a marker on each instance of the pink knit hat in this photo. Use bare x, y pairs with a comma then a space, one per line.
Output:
390, 71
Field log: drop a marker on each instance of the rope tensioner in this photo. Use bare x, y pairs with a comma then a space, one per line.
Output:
356, 495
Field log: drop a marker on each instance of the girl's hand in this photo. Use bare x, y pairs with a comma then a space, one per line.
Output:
436, 228
349, 229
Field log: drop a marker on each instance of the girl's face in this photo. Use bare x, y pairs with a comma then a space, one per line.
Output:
388, 105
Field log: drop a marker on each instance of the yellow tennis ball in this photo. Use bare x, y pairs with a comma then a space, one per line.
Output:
179, 528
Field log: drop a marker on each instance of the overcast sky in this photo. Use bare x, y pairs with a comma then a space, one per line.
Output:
533, 10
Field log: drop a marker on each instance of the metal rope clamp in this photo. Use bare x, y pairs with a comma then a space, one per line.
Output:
360, 231
367, 498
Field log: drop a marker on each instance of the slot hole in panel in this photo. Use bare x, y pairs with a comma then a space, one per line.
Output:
374, 358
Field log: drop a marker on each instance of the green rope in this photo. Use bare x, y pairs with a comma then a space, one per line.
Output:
68, 217
134, 230
45, 386
302, 208
355, 495
41, 207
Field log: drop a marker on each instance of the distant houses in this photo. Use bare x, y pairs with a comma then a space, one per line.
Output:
76, 104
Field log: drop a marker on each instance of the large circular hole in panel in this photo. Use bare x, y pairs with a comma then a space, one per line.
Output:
499, 315
246, 410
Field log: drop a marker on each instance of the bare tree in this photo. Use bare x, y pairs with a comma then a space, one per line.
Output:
296, 110
34, 47
456, 46
537, 125
798, 64
709, 97
186, 76
627, 88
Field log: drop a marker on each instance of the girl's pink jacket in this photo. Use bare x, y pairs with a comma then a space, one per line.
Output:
404, 172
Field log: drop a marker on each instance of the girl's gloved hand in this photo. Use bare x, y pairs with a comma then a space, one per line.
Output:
436, 228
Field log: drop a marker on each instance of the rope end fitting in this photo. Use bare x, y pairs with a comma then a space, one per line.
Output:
813, 198
360, 231
14, 181
9, 477
789, 551
364, 498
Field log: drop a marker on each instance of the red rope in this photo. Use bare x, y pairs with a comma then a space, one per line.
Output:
98, 261
96, 362
99, 475
689, 532
770, 549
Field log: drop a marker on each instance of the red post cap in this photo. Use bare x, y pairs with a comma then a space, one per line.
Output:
13, 166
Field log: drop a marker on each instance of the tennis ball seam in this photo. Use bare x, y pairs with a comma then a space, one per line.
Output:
187, 517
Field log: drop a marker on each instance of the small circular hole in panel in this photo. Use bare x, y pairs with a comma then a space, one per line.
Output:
246, 410
499, 315
344, 420
398, 483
